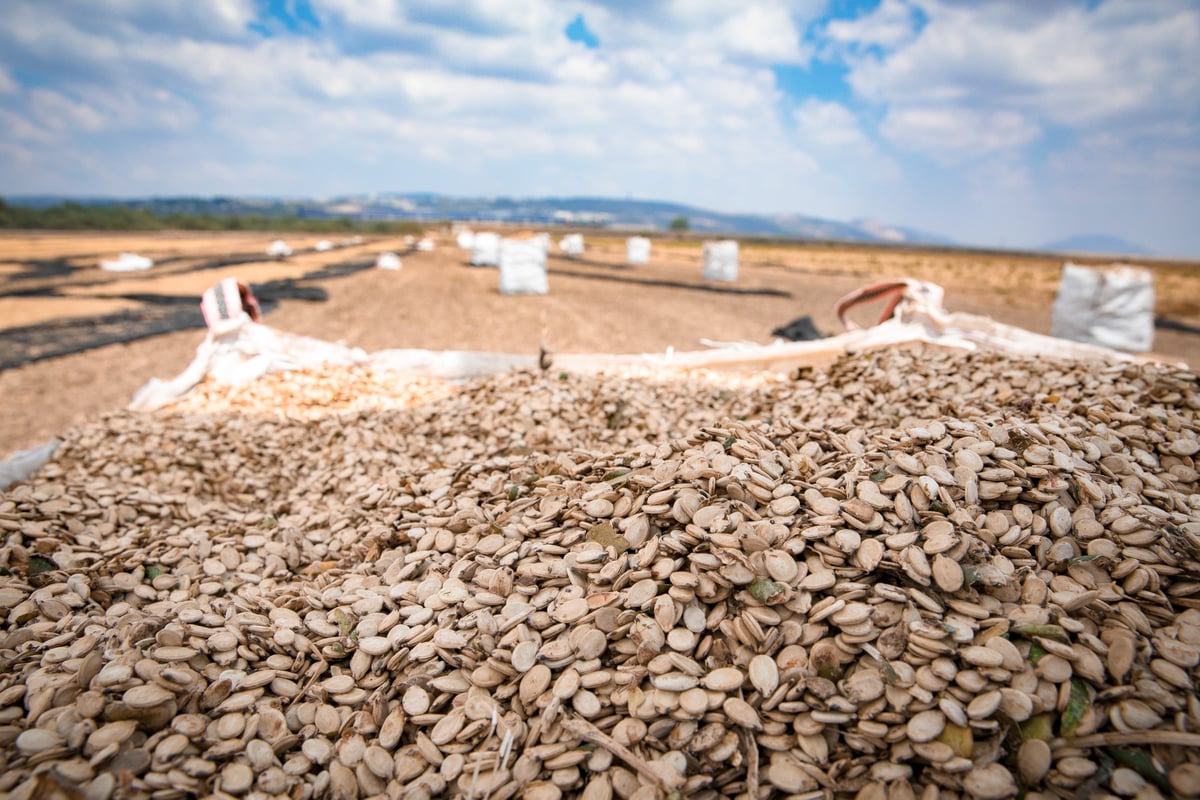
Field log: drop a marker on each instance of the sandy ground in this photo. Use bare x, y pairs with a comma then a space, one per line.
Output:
437, 301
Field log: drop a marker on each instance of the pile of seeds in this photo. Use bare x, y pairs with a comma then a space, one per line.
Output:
916, 573
317, 392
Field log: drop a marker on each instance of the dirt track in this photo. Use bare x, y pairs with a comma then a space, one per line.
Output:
596, 304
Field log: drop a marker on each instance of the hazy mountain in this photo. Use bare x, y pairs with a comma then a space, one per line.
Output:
629, 214
1097, 243
604, 212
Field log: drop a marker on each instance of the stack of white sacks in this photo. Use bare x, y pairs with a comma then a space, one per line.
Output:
485, 249
721, 260
637, 250
572, 244
523, 266
387, 260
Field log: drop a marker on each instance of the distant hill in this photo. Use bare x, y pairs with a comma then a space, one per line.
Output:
601, 212
1098, 244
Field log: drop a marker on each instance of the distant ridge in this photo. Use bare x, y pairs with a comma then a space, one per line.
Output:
602, 212
1097, 244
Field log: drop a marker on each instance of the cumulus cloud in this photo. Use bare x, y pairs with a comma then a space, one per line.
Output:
892, 23
503, 85
828, 123
953, 133
1062, 62
763, 33
59, 113
679, 99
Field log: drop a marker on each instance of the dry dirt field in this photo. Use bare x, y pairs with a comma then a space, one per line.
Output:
437, 301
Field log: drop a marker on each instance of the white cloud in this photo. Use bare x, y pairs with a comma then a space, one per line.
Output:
20, 128
1001, 172
828, 124
764, 33
216, 19
1063, 63
58, 113
1037, 120
892, 23
15, 154
951, 133
679, 101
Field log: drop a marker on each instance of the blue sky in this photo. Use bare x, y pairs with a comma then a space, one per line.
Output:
994, 123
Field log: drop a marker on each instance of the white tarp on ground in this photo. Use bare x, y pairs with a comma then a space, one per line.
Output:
572, 244
1106, 306
637, 250
323, 245
465, 240
127, 262
387, 260
523, 267
278, 248
721, 260
485, 250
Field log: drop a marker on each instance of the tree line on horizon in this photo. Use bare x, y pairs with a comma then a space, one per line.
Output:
78, 216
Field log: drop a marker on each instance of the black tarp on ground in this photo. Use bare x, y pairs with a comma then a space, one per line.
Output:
800, 329
158, 314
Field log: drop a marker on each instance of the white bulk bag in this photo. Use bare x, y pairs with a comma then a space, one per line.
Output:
425, 246
485, 250
572, 244
323, 246
721, 260
465, 240
637, 250
523, 267
1111, 307
279, 248
226, 308
242, 355
127, 262
23, 463
544, 240
387, 260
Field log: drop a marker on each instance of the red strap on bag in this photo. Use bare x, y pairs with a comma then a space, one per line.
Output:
868, 294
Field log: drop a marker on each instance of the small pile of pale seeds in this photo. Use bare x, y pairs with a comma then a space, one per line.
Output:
916, 573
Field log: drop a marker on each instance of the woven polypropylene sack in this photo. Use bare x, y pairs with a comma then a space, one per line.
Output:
637, 250
485, 250
572, 244
523, 267
721, 260
1112, 307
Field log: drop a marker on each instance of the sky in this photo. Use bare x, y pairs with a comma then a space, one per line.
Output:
1006, 124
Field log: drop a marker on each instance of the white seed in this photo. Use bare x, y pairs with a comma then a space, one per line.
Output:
764, 674
926, 726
